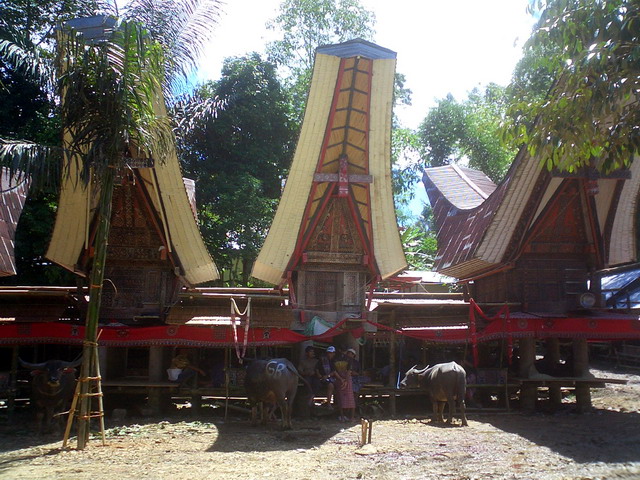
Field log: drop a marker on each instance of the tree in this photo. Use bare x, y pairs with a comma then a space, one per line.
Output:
109, 91
306, 25
28, 112
468, 131
239, 161
590, 116
109, 88
420, 247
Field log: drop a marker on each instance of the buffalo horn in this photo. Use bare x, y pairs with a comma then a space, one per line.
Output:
32, 366
76, 363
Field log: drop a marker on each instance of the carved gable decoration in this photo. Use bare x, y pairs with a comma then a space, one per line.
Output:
336, 232
133, 237
140, 273
562, 227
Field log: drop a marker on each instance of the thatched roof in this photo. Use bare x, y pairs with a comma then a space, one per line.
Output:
348, 115
477, 236
165, 192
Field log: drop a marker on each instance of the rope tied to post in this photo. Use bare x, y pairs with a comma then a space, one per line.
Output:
236, 315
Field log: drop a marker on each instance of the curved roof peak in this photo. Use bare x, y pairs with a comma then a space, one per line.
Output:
357, 47
463, 187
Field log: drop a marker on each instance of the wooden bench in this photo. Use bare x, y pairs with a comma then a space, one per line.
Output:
493, 379
580, 385
628, 356
137, 385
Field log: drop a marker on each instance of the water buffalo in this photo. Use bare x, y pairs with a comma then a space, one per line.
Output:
52, 386
272, 382
445, 382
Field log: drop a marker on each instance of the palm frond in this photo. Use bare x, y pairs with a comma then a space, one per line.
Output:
110, 93
183, 28
38, 162
27, 60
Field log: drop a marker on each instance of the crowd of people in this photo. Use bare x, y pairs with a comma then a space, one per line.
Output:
336, 376
336, 371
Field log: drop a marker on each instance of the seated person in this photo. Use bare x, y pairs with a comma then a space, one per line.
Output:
325, 370
307, 368
187, 369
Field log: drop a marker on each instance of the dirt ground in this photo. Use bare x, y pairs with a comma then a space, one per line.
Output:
602, 444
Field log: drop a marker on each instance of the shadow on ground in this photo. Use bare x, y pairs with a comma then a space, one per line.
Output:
598, 436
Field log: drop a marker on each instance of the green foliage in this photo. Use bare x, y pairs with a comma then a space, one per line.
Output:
109, 90
239, 160
468, 131
182, 28
32, 238
308, 24
442, 131
591, 51
420, 247
406, 170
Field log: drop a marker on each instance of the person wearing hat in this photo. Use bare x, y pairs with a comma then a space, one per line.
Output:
344, 390
326, 371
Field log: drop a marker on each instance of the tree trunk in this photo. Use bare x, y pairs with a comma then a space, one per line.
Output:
93, 311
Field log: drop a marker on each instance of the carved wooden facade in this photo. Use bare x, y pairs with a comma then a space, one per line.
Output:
335, 232
538, 239
140, 275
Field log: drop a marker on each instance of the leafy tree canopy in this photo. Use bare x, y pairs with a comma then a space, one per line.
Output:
239, 160
308, 24
468, 131
589, 50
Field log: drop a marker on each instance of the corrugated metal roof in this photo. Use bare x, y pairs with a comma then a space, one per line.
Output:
357, 47
475, 239
459, 230
13, 195
463, 187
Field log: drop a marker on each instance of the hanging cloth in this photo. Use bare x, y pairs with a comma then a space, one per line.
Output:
236, 315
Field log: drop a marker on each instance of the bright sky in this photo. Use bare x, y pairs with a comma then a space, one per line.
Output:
443, 47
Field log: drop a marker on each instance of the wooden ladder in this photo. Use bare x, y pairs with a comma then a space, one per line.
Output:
94, 391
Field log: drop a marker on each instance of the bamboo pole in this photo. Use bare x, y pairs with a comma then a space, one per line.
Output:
95, 377
89, 349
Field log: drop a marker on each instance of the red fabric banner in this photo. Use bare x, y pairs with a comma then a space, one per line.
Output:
601, 326
165, 335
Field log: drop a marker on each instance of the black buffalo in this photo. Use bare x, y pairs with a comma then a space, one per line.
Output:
52, 386
445, 382
272, 382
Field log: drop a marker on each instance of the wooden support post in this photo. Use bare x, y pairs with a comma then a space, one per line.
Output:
196, 404
156, 374
553, 356
366, 431
528, 393
581, 369
226, 383
13, 381
393, 369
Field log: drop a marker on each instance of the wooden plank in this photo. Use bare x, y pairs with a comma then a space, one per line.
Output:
334, 177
